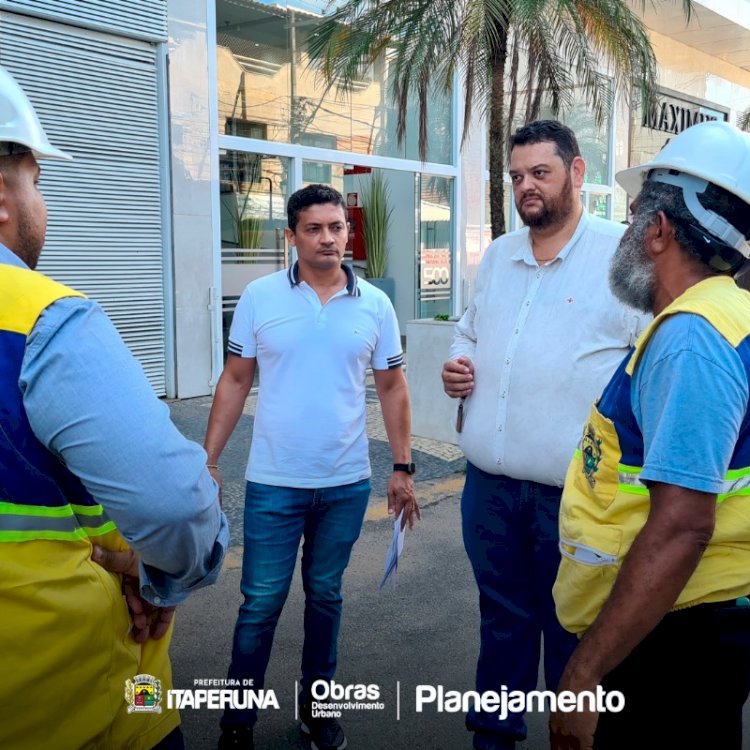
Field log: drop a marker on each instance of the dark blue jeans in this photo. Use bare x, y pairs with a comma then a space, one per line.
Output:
511, 537
276, 519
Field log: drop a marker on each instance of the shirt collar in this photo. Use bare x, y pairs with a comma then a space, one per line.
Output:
526, 254
352, 288
9, 258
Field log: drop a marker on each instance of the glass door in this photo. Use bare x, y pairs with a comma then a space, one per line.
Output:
253, 191
435, 262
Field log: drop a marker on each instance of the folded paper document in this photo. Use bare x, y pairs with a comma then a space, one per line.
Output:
391, 557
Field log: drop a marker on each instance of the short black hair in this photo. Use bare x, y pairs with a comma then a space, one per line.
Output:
657, 196
548, 131
312, 195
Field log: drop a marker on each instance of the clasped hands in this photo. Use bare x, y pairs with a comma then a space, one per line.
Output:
149, 621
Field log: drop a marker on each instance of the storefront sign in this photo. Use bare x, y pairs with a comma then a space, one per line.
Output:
673, 116
435, 268
669, 113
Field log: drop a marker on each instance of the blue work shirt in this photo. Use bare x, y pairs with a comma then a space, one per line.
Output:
88, 402
690, 396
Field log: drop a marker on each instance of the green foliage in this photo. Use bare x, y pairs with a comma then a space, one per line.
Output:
248, 229
249, 232
442, 316
376, 218
538, 51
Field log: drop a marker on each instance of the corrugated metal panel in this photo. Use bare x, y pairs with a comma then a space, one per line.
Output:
97, 98
133, 18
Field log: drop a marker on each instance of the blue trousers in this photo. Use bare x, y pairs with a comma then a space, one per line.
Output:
276, 519
511, 537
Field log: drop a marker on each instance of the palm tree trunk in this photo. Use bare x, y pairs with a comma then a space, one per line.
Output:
497, 145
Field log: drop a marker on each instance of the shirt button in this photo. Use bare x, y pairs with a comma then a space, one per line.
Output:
507, 361
499, 461
499, 428
157, 600
528, 302
502, 395
516, 331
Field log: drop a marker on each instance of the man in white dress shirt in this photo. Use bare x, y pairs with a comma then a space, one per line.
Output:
541, 337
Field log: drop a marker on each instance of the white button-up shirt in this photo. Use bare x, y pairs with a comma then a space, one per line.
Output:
544, 341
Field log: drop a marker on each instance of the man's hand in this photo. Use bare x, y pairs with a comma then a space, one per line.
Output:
401, 495
149, 621
216, 474
574, 730
458, 377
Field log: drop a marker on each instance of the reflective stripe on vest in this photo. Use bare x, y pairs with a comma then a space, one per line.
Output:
21, 523
737, 481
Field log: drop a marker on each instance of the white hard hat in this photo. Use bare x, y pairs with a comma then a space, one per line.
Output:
19, 124
710, 152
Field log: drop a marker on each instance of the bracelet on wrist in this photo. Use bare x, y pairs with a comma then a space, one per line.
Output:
211, 466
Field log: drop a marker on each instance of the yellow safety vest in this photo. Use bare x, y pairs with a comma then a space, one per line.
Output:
65, 647
605, 504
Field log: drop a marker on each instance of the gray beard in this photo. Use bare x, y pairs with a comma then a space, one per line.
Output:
632, 278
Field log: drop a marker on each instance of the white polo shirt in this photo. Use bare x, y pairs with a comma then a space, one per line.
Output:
544, 341
310, 419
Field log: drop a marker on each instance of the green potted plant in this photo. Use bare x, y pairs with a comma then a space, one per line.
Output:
376, 220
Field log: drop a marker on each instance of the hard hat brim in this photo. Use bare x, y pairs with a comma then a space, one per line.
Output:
632, 179
50, 152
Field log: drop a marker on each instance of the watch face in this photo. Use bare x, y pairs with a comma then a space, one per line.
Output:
408, 468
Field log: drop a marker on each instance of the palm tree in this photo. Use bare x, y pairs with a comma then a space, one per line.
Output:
534, 49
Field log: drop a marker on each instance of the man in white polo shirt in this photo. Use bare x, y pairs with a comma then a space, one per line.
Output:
311, 332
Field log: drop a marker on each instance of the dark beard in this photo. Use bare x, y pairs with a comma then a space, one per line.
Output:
554, 210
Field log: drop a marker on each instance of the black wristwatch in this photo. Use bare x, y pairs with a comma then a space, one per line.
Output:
408, 468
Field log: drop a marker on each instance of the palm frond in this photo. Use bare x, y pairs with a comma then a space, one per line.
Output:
561, 44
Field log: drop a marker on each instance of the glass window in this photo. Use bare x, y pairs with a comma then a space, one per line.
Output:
598, 204
268, 89
317, 172
435, 246
593, 139
253, 191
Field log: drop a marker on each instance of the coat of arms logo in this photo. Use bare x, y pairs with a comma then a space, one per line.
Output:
591, 452
143, 694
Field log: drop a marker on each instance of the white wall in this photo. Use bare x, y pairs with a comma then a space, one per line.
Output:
433, 414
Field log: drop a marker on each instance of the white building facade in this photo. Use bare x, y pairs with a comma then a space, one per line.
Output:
192, 121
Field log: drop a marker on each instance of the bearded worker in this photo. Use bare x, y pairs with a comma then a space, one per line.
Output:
655, 519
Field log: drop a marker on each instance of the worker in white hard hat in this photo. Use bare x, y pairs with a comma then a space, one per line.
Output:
88, 459
655, 517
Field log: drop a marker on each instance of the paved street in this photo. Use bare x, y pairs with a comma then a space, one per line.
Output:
422, 632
